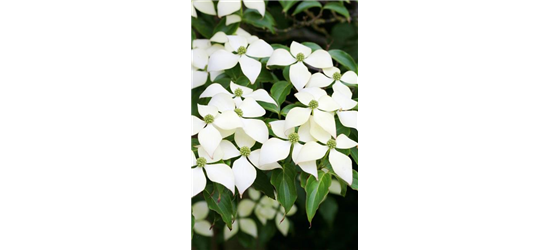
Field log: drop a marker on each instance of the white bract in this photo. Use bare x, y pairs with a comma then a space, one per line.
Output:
202, 49
299, 73
204, 6
226, 7
268, 208
247, 225
223, 59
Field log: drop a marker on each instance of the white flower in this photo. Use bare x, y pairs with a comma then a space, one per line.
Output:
226, 7
330, 75
222, 59
320, 104
299, 74
238, 92
247, 225
201, 225
219, 173
341, 164
214, 127
205, 6
268, 208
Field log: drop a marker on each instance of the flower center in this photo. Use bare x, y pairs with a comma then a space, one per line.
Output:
208, 119
331, 144
300, 57
336, 76
238, 112
201, 162
238, 92
241, 50
313, 104
293, 137
245, 151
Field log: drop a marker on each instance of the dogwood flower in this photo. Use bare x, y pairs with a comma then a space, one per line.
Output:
268, 208
299, 73
214, 124
219, 173
341, 163
320, 104
205, 6
247, 225
238, 92
200, 211
222, 59
225, 7
246, 110
331, 75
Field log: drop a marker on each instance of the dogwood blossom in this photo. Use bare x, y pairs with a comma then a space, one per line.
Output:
247, 225
320, 105
299, 73
214, 127
222, 59
218, 172
201, 225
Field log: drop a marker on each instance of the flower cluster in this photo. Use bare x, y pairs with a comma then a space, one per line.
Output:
241, 130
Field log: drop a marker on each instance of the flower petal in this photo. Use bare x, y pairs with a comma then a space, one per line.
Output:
244, 174
224, 133
250, 108
350, 77
254, 159
228, 120
200, 58
201, 44
209, 138
217, 155
292, 211
343, 142
311, 151
259, 48
261, 95
228, 233
310, 168
281, 57
343, 101
326, 121
203, 228
297, 48
205, 110
242, 139
242, 33
248, 226
319, 59
237, 42
213, 90
245, 90
342, 165
335, 187
296, 117
318, 132
232, 19
254, 194
219, 37
213, 49
299, 75
348, 118
282, 224
214, 75
221, 60
229, 150
304, 97
205, 6
274, 150
330, 71
250, 67
222, 102
226, 7
193, 11
199, 180
319, 80
346, 91
257, 5
200, 210
278, 128
222, 174
193, 159
256, 129
246, 206
326, 103
197, 124
304, 132
295, 151
316, 92
199, 78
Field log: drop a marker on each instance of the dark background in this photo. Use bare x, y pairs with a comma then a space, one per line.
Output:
456, 137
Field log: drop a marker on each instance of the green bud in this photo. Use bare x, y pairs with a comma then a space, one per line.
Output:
201, 162
245, 151
313, 104
293, 137
331, 144
300, 57
238, 92
336, 76
208, 119
241, 50
238, 112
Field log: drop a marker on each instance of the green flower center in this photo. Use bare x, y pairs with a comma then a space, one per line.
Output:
238, 92
238, 112
208, 119
201, 162
241, 50
245, 151
336, 76
293, 137
313, 104
300, 57
331, 144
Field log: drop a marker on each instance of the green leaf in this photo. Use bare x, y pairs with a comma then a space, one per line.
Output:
354, 154
303, 179
284, 182
312, 45
229, 30
355, 180
263, 185
280, 90
339, 8
286, 73
280, 46
306, 5
344, 59
328, 210
343, 185
340, 129
192, 225
202, 26
286, 5
316, 192
269, 106
220, 202
286, 109
253, 17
